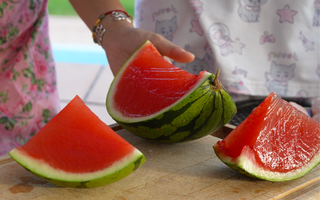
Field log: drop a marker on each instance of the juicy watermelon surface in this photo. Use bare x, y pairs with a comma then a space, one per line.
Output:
77, 149
65, 152
275, 138
151, 85
155, 100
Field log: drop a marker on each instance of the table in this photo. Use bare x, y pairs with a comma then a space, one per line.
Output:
187, 171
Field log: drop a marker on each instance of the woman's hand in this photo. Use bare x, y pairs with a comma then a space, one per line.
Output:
121, 40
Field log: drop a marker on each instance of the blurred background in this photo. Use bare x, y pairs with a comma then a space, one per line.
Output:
63, 7
82, 66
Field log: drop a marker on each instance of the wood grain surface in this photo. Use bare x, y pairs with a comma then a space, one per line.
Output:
187, 171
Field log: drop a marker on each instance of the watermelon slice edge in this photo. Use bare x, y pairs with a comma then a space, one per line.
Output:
77, 149
158, 101
92, 179
285, 146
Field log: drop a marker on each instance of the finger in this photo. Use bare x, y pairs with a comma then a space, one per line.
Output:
180, 55
167, 48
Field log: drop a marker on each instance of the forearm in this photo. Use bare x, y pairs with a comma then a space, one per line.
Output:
121, 39
90, 10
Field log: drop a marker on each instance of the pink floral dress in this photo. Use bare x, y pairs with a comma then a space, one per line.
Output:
28, 89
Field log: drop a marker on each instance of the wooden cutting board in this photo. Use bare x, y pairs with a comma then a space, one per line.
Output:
188, 171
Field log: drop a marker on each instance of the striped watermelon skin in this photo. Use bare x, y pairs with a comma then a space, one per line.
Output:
203, 112
111, 178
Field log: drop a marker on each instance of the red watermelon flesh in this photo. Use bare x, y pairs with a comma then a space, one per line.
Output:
77, 149
68, 142
276, 137
150, 96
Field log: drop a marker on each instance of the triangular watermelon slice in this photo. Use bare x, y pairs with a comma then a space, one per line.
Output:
275, 142
156, 100
77, 149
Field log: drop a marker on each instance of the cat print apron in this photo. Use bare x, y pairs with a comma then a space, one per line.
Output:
261, 46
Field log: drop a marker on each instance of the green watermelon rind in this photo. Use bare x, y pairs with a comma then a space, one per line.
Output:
214, 113
183, 122
245, 164
116, 172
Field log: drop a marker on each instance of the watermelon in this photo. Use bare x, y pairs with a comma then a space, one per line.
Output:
77, 149
155, 100
276, 142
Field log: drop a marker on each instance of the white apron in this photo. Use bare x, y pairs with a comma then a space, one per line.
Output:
271, 46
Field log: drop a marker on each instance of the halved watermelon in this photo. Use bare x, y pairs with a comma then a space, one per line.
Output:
155, 100
275, 142
77, 149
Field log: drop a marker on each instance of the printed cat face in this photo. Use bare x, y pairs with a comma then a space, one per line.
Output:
254, 3
281, 73
197, 66
167, 28
219, 33
219, 37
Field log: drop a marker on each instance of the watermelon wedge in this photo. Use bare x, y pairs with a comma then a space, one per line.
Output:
77, 149
276, 142
155, 100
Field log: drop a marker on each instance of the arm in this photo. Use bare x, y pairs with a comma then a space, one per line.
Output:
121, 38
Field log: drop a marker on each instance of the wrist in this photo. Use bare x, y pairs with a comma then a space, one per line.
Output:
109, 22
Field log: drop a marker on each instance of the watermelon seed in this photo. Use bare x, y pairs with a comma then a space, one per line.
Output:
216, 84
